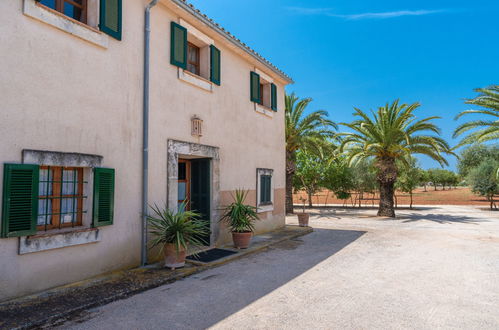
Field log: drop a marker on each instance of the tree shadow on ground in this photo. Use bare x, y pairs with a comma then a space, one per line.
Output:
346, 212
441, 218
203, 300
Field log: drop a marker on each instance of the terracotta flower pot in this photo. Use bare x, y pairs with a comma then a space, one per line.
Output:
303, 219
242, 240
172, 258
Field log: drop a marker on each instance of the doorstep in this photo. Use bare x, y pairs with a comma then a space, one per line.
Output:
258, 243
57, 305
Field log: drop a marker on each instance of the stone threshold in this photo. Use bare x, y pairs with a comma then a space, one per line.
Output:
55, 306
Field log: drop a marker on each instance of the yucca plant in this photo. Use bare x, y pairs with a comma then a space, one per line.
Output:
238, 216
181, 228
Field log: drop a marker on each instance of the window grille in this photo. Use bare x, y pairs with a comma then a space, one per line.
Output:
60, 200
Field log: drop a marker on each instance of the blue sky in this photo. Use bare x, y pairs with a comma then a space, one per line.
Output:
365, 53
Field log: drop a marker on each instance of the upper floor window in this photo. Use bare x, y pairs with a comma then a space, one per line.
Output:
194, 52
76, 9
81, 18
263, 91
193, 60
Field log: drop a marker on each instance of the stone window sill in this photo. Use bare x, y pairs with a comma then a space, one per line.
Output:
265, 208
62, 22
57, 239
195, 80
264, 110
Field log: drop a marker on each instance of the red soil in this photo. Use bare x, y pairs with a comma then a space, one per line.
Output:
454, 196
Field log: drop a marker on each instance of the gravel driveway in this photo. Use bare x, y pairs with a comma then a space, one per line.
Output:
435, 267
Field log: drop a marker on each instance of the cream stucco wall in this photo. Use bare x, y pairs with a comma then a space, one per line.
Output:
62, 93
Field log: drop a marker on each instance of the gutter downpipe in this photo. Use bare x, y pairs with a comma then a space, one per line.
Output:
145, 132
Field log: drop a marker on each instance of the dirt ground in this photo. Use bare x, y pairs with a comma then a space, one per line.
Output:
454, 196
430, 268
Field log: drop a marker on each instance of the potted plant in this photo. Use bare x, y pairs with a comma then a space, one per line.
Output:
303, 217
240, 217
176, 232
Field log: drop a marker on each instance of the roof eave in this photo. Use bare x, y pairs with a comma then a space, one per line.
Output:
203, 18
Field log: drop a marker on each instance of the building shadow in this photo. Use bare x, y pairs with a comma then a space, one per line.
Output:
202, 300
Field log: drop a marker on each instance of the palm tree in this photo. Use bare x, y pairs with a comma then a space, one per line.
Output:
392, 134
302, 131
488, 129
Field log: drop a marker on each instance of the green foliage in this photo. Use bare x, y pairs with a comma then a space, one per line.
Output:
238, 216
484, 180
181, 228
488, 129
393, 133
304, 130
342, 195
364, 176
441, 177
339, 178
424, 177
475, 154
310, 170
389, 135
409, 176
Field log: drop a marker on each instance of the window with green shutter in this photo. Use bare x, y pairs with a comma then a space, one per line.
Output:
273, 97
214, 65
103, 207
265, 190
255, 87
20, 200
178, 45
111, 17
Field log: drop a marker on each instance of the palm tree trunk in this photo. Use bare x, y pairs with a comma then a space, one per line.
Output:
387, 175
290, 171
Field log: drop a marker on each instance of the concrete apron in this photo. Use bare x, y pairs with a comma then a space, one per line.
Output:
60, 304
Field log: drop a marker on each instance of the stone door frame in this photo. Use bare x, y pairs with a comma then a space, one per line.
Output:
180, 149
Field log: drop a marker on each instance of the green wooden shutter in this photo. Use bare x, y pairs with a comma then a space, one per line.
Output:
265, 189
110, 17
20, 199
273, 97
215, 65
103, 206
178, 47
269, 189
255, 87
262, 188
